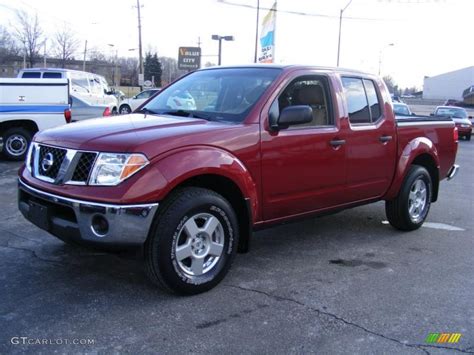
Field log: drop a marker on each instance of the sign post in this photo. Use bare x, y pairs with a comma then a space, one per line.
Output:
189, 58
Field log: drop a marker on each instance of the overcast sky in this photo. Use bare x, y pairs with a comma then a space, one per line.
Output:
430, 36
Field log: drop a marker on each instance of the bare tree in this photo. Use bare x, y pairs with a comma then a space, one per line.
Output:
65, 45
8, 46
30, 34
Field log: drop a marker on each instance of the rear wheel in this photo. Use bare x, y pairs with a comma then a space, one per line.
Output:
410, 208
16, 141
193, 241
468, 137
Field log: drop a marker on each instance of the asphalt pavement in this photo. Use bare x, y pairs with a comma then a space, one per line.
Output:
341, 284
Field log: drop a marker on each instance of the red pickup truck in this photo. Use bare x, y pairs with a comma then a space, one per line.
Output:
225, 151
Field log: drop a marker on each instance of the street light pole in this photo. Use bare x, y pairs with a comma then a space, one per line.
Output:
220, 38
340, 27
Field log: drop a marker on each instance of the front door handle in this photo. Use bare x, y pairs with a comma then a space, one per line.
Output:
385, 139
337, 142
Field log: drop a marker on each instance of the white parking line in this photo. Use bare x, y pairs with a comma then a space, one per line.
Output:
434, 225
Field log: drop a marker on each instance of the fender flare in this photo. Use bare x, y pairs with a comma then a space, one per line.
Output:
206, 160
414, 149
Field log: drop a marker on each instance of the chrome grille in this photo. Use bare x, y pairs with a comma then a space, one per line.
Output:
50, 160
61, 166
83, 167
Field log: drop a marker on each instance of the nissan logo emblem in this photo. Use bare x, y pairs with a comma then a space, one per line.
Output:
47, 162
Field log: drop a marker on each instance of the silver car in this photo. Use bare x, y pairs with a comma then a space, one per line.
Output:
82, 110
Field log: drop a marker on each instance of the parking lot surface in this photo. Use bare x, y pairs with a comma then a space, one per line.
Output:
341, 284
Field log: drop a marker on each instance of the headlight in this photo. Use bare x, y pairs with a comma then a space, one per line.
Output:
111, 169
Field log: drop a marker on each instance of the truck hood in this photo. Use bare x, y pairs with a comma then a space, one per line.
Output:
148, 134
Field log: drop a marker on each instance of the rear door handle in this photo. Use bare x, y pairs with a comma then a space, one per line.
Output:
385, 139
337, 142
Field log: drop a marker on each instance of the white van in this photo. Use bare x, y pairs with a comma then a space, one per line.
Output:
89, 87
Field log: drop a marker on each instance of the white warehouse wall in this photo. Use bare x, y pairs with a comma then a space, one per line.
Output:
449, 85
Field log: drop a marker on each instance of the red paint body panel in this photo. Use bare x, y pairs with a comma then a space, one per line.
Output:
284, 174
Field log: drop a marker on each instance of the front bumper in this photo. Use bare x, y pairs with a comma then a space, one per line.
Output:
90, 222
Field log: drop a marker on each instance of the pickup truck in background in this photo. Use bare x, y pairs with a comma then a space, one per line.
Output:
261, 145
28, 106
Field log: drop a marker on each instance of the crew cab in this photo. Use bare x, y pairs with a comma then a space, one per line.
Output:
262, 145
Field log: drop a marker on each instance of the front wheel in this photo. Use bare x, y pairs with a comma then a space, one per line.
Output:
15, 143
125, 110
410, 208
192, 242
468, 137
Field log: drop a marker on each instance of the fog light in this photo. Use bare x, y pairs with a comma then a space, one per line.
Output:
99, 226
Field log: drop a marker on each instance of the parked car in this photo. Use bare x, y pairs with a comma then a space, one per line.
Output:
460, 118
401, 109
81, 110
28, 106
129, 105
263, 145
89, 87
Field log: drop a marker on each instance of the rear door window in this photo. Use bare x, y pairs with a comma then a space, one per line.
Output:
362, 99
357, 104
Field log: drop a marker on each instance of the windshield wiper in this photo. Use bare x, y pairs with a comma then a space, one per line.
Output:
184, 113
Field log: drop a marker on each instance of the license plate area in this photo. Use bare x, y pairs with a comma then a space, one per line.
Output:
39, 214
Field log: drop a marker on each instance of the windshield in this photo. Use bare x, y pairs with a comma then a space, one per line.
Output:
451, 112
218, 94
401, 110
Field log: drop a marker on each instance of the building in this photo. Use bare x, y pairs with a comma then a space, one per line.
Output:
448, 85
11, 65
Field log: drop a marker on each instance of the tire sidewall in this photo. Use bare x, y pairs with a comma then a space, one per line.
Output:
166, 235
416, 172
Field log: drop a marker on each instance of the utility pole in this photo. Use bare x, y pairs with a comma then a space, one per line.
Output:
340, 27
85, 54
256, 32
140, 54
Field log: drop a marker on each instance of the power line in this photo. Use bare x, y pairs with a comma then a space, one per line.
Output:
301, 13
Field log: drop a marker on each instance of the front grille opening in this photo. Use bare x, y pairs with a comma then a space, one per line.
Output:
50, 160
83, 167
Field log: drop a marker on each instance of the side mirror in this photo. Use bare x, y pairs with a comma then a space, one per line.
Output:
432, 114
293, 115
470, 117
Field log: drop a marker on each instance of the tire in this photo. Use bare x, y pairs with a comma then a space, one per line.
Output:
16, 141
468, 137
114, 111
125, 110
193, 225
409, 209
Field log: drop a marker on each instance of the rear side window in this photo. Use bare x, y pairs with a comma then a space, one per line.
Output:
356, 100
31, 75
51, 75
373, 100
362, 100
